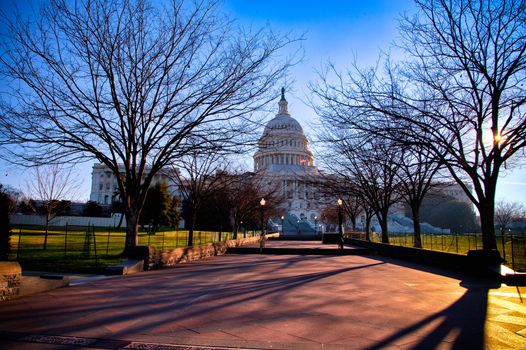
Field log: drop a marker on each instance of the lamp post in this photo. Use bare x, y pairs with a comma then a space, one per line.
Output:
262, 202
282, 222
316, 225
340, 223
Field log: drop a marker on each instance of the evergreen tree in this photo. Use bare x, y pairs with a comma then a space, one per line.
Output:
173, 214
157, 204
6, 203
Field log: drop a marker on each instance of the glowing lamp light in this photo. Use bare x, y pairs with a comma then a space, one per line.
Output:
340, 202
262, 201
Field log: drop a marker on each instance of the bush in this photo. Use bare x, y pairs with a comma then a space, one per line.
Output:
92, 209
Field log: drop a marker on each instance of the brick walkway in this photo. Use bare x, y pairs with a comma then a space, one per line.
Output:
273, 301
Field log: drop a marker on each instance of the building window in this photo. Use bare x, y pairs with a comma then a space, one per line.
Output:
101, 186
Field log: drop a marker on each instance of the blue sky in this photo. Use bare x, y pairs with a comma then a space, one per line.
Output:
333, 30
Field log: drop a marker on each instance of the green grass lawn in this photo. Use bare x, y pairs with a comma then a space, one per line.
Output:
81, 251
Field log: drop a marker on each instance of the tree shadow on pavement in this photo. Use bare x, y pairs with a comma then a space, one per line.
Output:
461, 324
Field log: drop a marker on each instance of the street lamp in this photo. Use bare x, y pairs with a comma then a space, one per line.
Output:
340, 223
262, 202
316, 225
282, 227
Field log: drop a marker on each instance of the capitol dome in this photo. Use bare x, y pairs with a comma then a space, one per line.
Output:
283, 122
283, 145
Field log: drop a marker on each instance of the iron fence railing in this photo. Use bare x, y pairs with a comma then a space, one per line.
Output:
89, 241
512, 247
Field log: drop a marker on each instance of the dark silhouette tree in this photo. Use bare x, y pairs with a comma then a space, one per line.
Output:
92, 209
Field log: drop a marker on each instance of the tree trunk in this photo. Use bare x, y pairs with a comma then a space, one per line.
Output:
487, 225
353, 222
235, 228
382, 220
46, 233
48, 219
368, 228
416, 228
120, 220
191, 230
132, 230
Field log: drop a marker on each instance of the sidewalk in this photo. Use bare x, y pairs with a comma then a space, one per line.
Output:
273, 302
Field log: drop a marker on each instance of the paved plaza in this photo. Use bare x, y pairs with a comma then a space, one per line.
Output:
257, 301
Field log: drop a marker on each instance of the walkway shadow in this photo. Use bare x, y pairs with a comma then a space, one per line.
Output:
461, 324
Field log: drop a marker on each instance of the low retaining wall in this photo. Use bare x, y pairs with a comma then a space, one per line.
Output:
477, 261
10, 275
163, 258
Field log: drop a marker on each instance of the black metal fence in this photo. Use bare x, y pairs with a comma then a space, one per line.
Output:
85, 241
512, 247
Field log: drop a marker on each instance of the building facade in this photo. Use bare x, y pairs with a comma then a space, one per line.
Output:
104, 189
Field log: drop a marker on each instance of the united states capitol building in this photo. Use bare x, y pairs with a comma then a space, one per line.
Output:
283, 159
283, 162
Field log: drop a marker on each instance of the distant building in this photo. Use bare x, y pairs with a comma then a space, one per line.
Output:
104, 189
456, 192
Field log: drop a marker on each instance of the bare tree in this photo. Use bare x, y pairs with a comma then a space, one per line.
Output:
374, 169
352, 207
368, 213
506, 212
51, 185
196, 180
242, 195
133, 83
369, 164
460, 95
416, 173
336, 186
